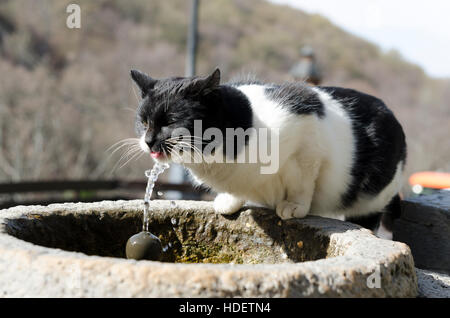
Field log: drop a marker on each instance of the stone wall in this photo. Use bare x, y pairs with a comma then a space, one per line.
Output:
424, 225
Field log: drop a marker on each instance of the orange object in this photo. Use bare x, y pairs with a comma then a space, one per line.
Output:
429, 179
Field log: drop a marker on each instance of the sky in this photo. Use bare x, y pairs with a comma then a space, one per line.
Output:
419, 30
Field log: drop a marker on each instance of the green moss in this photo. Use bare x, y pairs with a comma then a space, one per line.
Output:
192, 252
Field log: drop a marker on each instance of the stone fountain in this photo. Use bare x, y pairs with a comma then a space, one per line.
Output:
78, 250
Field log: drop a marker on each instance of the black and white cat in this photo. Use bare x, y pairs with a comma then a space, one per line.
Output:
341, 152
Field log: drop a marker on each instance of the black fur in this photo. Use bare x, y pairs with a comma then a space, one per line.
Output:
177, 102
371, 221
380, 142
386, 218
144, 81
237, 113
391, 213
297, 97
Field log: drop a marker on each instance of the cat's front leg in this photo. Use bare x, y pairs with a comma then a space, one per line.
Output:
297, 204
226, 203
300, 184
288, 210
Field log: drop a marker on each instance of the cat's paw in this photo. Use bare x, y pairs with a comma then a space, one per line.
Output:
288, 210
225, 203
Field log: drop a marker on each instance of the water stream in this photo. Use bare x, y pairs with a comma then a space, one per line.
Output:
152, 176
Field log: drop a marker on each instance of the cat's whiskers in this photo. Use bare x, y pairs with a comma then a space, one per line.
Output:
126, 141
130, 151
137, 155
126, 157
181, 146
190, 146
133, 150
129, 109
175, 150
135, 95
186, 139
172, 152
189, 142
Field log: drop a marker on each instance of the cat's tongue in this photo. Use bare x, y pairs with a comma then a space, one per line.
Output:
155, 154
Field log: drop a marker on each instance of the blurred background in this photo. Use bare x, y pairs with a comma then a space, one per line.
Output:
66, 95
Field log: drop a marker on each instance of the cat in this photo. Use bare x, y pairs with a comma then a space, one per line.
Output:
341, 152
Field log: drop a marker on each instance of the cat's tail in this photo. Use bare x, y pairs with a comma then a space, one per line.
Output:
391, 213
381, 223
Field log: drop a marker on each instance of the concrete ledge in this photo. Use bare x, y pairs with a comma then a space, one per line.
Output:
355, 263
432, 284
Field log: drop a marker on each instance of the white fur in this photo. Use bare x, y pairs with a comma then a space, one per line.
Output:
314, 165
226, 203
143, 144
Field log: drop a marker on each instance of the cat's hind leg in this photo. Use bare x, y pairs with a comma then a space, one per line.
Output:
226, 203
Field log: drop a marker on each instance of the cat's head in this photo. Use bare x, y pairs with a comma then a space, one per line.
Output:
171, 105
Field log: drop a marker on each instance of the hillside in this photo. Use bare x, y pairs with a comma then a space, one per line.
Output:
65, 94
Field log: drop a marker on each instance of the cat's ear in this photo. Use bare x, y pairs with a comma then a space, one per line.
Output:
142, 80
205, 85
213, 80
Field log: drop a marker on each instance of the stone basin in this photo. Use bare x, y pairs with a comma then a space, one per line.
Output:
77, 250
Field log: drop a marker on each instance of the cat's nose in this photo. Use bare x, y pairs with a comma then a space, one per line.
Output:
150, 143
154, 145
150, 139
153, 142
